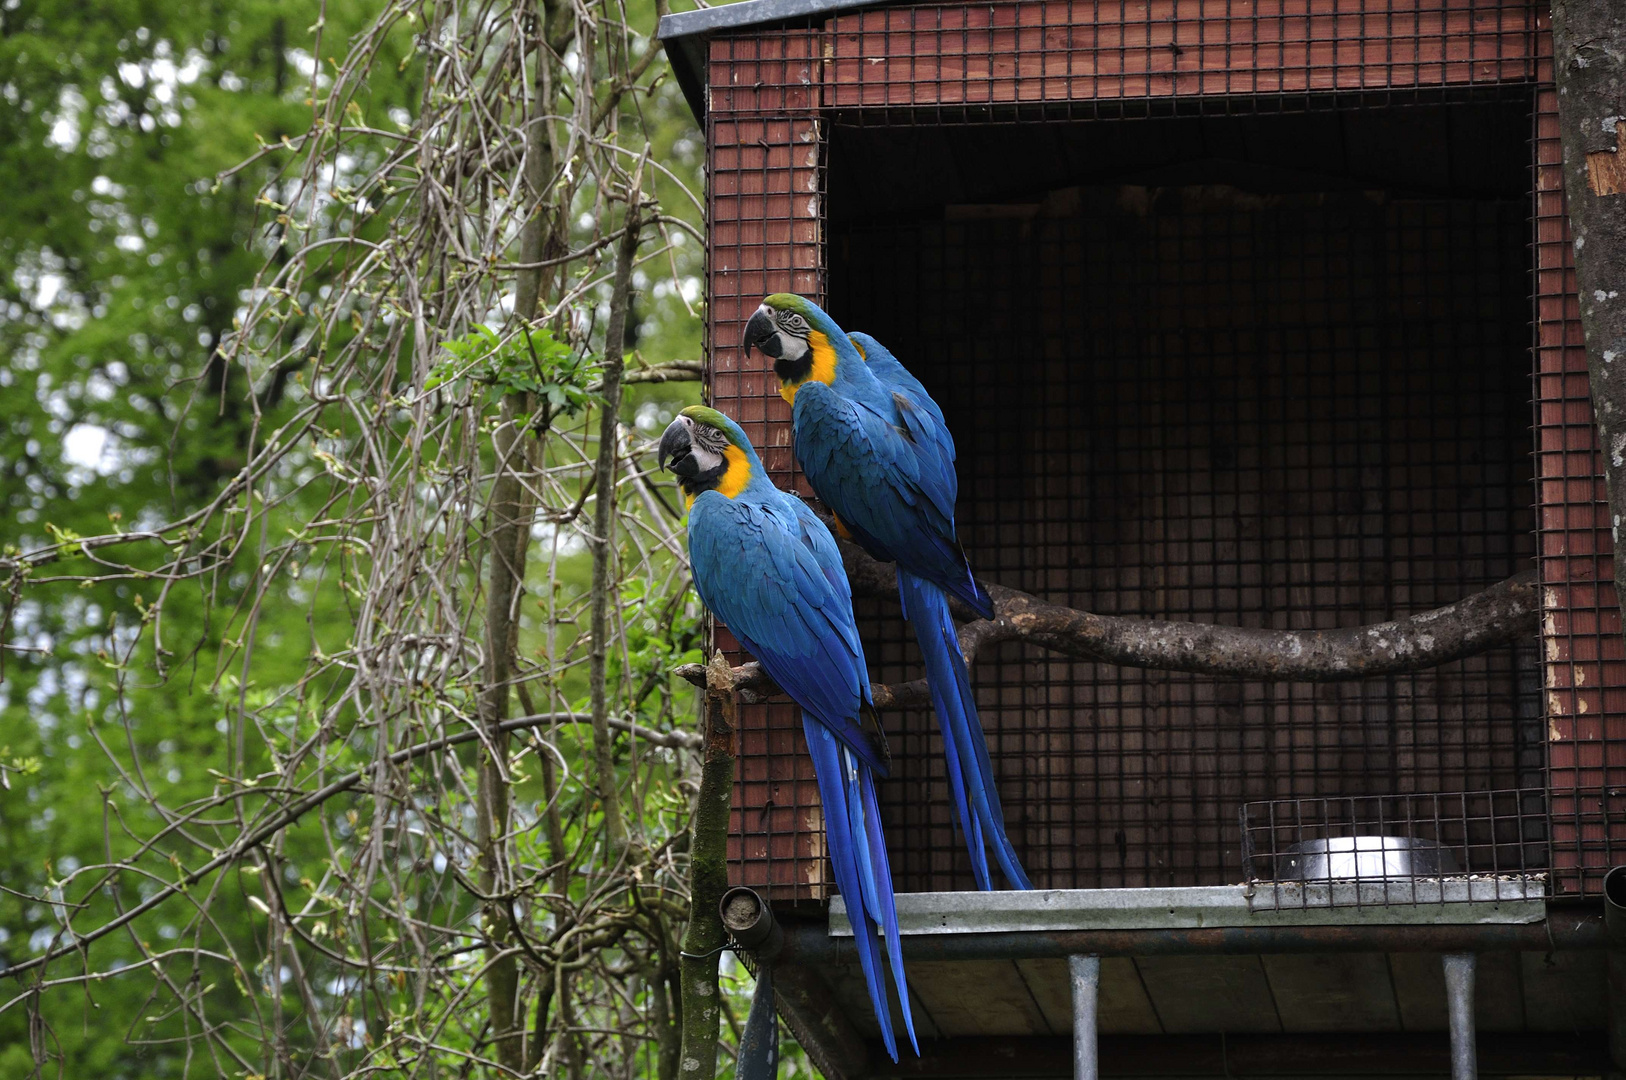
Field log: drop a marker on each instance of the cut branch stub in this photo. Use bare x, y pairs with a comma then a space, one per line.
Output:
1477, 623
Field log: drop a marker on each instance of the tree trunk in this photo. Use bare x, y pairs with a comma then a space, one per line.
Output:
604, 526
708, 880
508, 531
1589, 66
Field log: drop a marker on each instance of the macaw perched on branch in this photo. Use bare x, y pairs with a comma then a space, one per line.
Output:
876, 450
768, 568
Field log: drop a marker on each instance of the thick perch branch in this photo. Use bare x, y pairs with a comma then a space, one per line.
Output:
1476, 623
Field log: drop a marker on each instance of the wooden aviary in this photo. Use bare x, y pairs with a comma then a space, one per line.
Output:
1237, 310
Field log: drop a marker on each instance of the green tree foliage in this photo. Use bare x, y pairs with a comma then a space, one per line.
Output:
258, 349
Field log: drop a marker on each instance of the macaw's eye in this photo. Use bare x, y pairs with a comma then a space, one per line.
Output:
794, 321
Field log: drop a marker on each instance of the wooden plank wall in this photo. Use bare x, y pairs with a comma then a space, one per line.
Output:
765, 218
1584, 653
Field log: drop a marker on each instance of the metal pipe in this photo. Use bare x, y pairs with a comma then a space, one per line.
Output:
1459, 996
1566, 929
1085, 974
750, 922
1614, 905
803, 998
1614, 921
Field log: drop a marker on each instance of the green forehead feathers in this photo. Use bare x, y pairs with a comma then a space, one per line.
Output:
705, 414
702, 414
784, 301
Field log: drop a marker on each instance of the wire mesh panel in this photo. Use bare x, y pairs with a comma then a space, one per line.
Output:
1475, 846
1581, 632
1085, 57
764, 212
1291, 411
1287, 396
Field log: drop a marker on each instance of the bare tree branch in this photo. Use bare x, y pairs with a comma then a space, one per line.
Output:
708, 874
1502, 613
263, 832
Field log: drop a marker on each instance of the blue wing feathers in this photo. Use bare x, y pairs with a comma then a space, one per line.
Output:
769, 569
786, 598
894, 493
877, 450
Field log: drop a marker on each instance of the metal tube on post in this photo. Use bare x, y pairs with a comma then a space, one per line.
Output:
1085, 974
1459, 995
1614, 922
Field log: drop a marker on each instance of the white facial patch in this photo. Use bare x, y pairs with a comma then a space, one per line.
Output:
706, 446
795, 349
705, 458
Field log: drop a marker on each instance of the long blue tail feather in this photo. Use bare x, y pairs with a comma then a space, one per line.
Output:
852, 826
963, 738
888, 910
964, 817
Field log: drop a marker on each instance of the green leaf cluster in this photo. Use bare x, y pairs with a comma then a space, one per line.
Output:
531, 361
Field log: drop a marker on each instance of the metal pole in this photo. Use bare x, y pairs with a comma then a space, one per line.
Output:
1085, 973
1459, 995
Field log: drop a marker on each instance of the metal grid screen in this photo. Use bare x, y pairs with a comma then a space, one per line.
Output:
1369, 850
1584, 653
1294, 411
1155, 419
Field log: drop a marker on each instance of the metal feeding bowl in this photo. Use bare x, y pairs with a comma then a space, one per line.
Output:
1364, 858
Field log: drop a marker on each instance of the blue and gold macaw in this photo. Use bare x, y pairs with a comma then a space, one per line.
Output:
768, 568
876, 450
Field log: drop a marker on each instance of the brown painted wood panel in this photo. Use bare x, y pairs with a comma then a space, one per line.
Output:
1343, 1054
1209, 993
1565, 991
984, 997
849, 989
1122, 1007
1332, 993
1581, 625
763, 214
1499, 993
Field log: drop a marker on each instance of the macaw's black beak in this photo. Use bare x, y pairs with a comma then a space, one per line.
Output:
761, 333
676, 452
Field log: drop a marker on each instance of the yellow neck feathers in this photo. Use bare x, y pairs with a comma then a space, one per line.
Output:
735, 476
823, 370
738, 473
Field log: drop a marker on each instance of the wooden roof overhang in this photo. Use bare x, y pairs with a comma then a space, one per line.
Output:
1193, 980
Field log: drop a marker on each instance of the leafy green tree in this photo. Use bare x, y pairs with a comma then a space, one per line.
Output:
263, 379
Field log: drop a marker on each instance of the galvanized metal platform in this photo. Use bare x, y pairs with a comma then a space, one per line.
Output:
1468, 900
